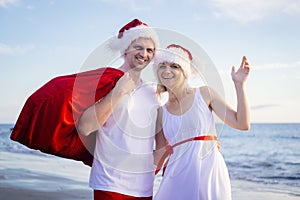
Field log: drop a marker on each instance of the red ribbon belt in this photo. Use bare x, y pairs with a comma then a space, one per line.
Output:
169, 150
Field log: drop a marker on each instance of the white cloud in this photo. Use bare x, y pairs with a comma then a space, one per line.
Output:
9, 50
30, 7
296, 64
134, 5
6, 3
251, 10
292, 8
263, 106
277, 66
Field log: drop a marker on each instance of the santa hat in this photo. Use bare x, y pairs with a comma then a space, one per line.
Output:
130, 32
175, 54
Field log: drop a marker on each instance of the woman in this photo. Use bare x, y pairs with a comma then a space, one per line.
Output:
186, 129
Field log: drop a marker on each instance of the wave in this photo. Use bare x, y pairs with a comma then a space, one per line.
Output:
8, 145
268, 153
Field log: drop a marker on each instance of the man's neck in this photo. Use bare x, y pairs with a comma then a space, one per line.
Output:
134, 73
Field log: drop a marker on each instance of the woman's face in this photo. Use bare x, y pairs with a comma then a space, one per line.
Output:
170, 74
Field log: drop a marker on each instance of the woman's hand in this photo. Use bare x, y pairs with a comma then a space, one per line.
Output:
241, 75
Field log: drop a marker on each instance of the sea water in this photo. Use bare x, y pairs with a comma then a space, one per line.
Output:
267, 153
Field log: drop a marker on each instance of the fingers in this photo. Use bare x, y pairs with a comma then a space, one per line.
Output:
245, 61
232, 70
128, 77
126, 84
246, 65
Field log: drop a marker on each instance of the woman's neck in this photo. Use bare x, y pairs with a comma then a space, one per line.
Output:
179, 93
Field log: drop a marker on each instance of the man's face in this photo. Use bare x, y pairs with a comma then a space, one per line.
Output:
140, 53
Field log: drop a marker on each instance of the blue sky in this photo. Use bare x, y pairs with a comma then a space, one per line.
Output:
43, 39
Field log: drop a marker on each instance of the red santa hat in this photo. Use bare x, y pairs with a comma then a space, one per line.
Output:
130, 32
175, 53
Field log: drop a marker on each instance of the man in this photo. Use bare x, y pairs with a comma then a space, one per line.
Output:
125, 120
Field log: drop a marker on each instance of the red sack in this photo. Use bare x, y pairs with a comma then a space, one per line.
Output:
48, 119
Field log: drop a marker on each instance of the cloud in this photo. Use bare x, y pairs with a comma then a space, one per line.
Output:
263, 106
9, 50
6, 3
270, 66
30, 7
292, 8
245, 11
277, 66
134, 5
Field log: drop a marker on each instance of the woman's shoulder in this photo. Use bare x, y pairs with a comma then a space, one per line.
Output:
205, 90
206, 93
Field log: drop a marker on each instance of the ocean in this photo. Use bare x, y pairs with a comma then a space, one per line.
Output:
268, 154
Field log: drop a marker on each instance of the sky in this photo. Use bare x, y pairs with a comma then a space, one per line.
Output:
40, 40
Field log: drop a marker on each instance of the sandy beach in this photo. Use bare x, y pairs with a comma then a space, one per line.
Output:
32, 177
244, 190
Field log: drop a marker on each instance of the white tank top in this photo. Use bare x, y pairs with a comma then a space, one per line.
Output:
197, 120
123, 156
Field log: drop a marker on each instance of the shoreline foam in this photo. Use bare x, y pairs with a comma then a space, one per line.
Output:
32, 177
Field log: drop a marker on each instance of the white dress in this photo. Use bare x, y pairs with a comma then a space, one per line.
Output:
196, 170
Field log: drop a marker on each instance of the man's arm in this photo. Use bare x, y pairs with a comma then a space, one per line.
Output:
96, 115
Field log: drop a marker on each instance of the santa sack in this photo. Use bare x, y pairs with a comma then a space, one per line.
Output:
48, 119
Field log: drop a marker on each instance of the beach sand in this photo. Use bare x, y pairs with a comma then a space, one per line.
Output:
34, 177
244, 190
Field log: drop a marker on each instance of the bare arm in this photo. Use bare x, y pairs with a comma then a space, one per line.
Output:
96, 115
239, 118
